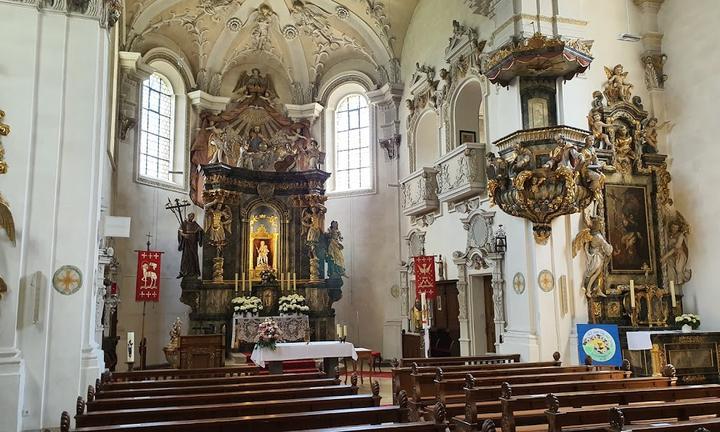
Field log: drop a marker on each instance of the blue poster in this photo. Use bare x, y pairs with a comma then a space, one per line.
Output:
601, 342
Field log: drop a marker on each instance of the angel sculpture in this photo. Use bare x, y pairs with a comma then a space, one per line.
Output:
597, 127
217, 145
649, 134
254, 85
616, 89
676, 256
520, 160
597, 254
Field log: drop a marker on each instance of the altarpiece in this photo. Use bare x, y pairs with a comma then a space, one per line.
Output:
259, 181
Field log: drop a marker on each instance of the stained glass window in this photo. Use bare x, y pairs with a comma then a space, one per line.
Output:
352, 144
156, 132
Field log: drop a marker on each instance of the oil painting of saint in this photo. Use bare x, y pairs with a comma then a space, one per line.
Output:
628, 228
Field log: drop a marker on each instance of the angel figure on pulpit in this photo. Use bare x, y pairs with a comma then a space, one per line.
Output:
597, 254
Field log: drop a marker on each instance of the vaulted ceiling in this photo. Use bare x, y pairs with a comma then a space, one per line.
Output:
300, 42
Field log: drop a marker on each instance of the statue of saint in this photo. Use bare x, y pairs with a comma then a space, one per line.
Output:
262, 255
217, 221
256, 141
676, 256
190, 237
335, 257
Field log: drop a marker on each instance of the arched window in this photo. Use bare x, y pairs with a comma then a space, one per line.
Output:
352, 158
157, 129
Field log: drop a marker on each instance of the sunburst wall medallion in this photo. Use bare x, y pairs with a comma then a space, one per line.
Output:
67, 280
519, 283
546, 280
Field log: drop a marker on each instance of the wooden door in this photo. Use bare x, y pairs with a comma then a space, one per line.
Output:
489, 314
446, 311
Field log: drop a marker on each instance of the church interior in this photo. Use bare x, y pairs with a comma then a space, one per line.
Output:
359, 215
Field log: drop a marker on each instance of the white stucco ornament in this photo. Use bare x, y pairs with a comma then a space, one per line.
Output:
546, 280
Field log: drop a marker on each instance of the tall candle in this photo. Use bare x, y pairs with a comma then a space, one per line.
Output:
243, 279
250, 285
632, 293
287, 281
344, 330
236, 283
338, 330
282, 287
672, 293
131, 347
294, 282
423, 308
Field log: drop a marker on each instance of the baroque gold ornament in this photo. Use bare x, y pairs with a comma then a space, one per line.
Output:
6, 218
548, 173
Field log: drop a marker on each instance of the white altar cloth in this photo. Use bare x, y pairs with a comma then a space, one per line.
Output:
303, 351
640, 340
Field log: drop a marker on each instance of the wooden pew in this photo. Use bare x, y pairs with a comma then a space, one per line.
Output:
308, 402
220, 388
217, 398
402, 380
444, 361
426, 383
331, 418
392, 427
697, 425
484, 402
165, 374
514, 409
595, 418
191, 382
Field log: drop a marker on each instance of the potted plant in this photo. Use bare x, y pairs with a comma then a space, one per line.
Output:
293, 304
688, 322
247, 306
268, 334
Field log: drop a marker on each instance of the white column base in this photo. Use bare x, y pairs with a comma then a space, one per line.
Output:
464, 339
523, 343
92, 366
12, 383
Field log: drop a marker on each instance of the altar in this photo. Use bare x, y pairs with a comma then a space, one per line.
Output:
329, 351
293, 328
693, 355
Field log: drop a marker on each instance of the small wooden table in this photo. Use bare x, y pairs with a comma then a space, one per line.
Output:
362, 354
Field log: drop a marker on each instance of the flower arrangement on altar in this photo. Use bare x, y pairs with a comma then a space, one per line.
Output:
690, 320
293, 303
247, 304
268, 334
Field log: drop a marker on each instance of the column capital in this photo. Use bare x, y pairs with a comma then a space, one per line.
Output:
202, 101
132, 63
310, 111
386, 95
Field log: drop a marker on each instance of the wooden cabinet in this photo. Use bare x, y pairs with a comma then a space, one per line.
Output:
201, 351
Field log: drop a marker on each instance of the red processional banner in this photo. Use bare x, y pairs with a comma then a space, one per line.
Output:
425, 276
147, 284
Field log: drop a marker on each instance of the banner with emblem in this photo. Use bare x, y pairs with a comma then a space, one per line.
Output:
147, 283
425, 276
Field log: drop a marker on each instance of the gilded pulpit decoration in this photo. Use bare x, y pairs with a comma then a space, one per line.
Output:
544, 173
638, 236
538, 56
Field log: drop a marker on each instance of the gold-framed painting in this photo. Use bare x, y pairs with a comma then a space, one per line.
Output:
627, 221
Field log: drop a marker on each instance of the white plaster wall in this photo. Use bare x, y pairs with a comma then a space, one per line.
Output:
691, 94
54, 92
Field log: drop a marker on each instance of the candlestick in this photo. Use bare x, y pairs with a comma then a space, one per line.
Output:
236, 283
672, 294
344, 329
294, 282
243, 280
632, 293
338, 330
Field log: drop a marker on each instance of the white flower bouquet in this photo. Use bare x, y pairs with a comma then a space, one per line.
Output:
251, 305
691, 320
293, 303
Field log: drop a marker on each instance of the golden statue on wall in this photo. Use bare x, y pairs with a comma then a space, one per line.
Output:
263, 243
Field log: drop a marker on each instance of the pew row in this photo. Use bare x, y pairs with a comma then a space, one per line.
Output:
191, 382
166, 374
